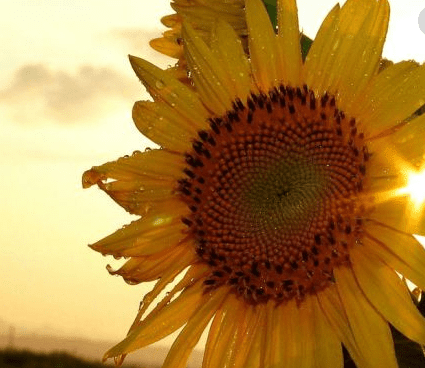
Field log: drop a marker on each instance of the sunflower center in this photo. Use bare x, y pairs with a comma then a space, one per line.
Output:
273, 189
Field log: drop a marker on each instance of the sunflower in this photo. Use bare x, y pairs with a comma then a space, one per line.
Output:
278, 195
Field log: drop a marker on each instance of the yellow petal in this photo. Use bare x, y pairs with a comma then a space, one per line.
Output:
165, 88
160, 123
249, 332
153, 164
400, 251
363, 27
166, 278
226, 332
140, 182
227, 48
388, 294
409, 142
295, 324
172, 20
401, 213
167, 46
328, 351
251, 342
371, 332
346, 52
194, 273
140, 197
154, 266
191, 333
392, 96
332, 307
384, 176
271, 336
203, 14
154, 232
262, 45
316, 71
157, 326
288, 41
208, 75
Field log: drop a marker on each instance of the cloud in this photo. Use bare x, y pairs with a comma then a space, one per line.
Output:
37, 93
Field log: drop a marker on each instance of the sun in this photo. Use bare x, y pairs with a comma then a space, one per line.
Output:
415, 187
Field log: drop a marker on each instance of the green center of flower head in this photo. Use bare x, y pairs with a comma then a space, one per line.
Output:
274, 192
284, 195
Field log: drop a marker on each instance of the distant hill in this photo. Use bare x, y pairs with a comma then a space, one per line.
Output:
11, 358
151, 356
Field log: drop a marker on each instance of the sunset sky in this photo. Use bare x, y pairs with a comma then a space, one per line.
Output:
66, 93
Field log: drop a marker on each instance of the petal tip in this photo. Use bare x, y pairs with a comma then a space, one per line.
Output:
90, 178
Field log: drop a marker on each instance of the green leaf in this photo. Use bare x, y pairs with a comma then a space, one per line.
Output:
305, 45
272, 10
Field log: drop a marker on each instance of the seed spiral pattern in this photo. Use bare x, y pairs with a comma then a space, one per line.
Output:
273, 190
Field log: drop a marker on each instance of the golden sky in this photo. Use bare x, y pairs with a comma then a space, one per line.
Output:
66, 93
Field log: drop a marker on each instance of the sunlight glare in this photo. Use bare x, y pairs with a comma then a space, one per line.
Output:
415, 188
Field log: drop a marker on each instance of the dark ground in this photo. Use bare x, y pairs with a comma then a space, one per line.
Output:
11, 358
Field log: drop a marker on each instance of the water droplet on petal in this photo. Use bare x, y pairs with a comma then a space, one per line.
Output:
159, 84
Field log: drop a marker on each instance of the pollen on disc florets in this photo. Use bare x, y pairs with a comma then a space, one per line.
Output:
273, 190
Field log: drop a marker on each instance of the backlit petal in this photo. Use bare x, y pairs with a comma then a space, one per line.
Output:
227, 331
208, 75
296, 325
332, 307
388, 294
409, 142
346, 52
328, 351
152, 164
371, 332
391, 97
191, 333
154, 266
140, 182
160, 123
288, 43
152, 233
159, 325
164, 87
262, 45
227, 48
400, 251
362, 31
316, 71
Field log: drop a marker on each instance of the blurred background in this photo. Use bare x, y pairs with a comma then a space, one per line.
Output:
66, 93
